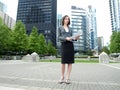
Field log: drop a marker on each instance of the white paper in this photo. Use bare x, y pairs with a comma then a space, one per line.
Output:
77, 34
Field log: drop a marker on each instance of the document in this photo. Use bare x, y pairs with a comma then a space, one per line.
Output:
77, 34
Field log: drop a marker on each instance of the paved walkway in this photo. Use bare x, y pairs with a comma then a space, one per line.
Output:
18, 75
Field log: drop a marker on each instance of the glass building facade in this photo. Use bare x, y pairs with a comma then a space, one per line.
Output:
10, 22
59, 23
115, 14
100, 43
3, 7
79, 23
39, 13
92, 28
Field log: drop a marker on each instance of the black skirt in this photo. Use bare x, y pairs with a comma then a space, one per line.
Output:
67, 50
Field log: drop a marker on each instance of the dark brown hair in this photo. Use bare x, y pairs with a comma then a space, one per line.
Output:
64, 19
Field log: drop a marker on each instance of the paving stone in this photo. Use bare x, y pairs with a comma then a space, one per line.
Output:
44, 76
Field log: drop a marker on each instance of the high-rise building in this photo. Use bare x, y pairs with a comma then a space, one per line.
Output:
59, 23
92, 26
39, 13
115, 14
100, 43
79, 23
9, 21
3, 7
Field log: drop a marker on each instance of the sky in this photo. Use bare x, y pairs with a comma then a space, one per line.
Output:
102, 13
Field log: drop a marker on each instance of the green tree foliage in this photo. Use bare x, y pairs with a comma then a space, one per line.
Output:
18, 41
19, 38
5, 39
112, 42
51, 49
1, 22
42, 45
34, 41
105, 49
115, 42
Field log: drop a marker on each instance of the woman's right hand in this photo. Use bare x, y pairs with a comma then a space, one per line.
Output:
68, 38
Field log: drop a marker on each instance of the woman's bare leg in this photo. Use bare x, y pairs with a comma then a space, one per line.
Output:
68, 71
62, 71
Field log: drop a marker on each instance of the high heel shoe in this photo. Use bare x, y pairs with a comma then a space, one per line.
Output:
61, 81
67, 81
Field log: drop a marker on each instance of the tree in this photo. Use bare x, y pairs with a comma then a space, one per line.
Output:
34, 41
89, 52
5, 39
51, 49
1, 22
19, 38
42, 45
105, 49
117, 43
112, 42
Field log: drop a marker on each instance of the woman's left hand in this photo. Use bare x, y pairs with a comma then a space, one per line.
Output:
77, 38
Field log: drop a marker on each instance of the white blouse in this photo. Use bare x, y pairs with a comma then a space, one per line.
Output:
67, 30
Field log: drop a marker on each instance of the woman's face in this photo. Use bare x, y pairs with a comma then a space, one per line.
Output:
66, 20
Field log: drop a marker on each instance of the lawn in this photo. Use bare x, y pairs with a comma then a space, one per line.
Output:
76, 61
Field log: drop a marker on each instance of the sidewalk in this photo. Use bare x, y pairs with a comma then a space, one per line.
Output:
9, 88
18, 75
31, 88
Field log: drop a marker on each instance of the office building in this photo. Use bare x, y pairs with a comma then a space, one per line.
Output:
39, 13
79, 23
9, 21
115, 14
100, 43
92, 26
59, 23
3, 7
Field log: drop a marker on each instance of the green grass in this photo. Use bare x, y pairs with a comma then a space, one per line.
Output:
86, 61
50, 60
76, 61
114, 62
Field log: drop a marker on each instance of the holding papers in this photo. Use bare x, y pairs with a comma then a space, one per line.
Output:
76, 35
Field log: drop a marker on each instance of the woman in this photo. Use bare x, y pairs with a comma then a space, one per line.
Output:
67, 48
